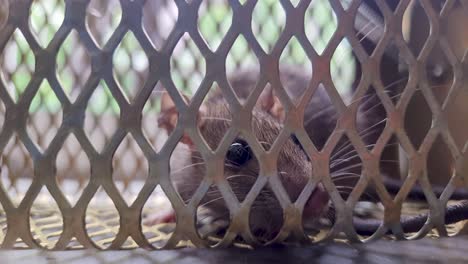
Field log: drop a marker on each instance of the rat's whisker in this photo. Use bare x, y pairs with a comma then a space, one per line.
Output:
343, 178
358, 165
368, 33
230, 177
396, 95
345, 173
340, 149
372, 95
340, 176
212, 201
216, 118
368, 25
367, 98
337, 162
319, 113
364, 133
344, 156
188, 166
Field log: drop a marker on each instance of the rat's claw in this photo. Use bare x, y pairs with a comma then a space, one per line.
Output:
163, 217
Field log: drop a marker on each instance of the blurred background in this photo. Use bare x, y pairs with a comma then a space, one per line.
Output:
130, 63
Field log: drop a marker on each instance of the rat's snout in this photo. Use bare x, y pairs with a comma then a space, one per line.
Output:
317, 203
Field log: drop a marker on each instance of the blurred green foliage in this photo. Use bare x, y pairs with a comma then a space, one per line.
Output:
188, 68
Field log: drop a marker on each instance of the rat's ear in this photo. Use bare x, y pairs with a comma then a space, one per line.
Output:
169, 115
167, 119
271, 104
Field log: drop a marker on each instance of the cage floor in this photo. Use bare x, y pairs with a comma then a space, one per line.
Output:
102, 225
102, 218
427, 251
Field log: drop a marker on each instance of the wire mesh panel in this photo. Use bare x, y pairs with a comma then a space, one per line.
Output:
122, 121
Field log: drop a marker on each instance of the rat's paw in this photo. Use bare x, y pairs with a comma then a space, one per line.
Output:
162, 217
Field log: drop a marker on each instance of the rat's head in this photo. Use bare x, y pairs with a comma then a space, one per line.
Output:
241, 168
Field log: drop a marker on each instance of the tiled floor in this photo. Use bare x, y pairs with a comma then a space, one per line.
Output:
444, 250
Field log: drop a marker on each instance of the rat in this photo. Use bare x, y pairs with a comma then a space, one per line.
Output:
241, 167
294, 168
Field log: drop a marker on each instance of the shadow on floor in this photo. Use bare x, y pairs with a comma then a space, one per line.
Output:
443, 250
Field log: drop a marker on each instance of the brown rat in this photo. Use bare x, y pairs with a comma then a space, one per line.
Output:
241, 168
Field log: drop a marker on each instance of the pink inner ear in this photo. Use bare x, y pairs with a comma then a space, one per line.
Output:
278, 110
168, 117
267, 99
169, 113
271, 104
166, 102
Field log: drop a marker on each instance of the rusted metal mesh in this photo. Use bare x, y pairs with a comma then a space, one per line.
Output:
81, 156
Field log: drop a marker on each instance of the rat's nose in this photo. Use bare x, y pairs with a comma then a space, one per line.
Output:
316, 203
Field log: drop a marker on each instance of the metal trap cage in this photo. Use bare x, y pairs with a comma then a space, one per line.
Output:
84, 163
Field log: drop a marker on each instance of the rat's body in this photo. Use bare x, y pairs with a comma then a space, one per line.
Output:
241, 168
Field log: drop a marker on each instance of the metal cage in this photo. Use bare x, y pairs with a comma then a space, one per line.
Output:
83, 162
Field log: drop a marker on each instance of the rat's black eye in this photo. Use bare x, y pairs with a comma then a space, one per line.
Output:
296, 141
239, 152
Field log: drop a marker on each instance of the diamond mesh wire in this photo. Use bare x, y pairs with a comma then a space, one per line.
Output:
81, 156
